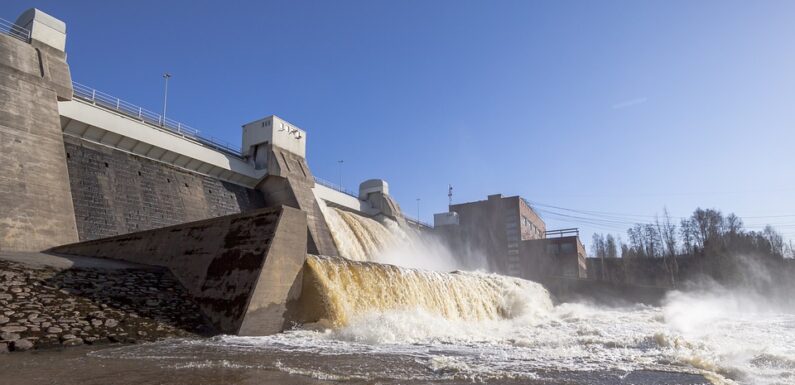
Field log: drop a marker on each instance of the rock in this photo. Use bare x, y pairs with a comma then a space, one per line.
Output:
73, 342
6, 296
96, 322
22, 345
68, 337
54, 330
111, 323
97, 314
16, 290
9, 336
3, 347
4, 319
13, 329
90, 340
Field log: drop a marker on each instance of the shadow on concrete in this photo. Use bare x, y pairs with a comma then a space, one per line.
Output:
144, 302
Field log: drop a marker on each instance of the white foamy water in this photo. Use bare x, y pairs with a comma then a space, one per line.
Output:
729, 348
392, 325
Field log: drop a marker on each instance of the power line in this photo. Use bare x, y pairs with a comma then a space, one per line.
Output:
612, 221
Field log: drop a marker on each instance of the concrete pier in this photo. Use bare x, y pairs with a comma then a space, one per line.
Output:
36, 208
241, 269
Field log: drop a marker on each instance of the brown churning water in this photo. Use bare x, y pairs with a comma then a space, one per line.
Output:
338, 289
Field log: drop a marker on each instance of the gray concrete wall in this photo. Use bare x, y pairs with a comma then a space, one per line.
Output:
241, 269
115, 192
36, 210
290, 182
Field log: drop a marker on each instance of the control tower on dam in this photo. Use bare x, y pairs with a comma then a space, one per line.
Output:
86, 173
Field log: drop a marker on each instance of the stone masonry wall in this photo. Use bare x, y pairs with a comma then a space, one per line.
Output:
44, 307
118, 193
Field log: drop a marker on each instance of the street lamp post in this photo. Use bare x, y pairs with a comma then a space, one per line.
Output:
340, 162
166, 76
418, 213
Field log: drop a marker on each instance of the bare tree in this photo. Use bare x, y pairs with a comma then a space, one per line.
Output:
667, 230
611, 247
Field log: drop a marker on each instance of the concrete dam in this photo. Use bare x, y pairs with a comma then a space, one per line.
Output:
254, 237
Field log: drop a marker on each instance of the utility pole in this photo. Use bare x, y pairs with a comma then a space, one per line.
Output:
340, 162
418, 213
449, 196
166, 76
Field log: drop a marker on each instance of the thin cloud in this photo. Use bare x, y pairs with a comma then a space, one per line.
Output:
630, 103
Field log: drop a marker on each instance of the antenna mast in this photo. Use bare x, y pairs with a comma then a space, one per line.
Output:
449, 196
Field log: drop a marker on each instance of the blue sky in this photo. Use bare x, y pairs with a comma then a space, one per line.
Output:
619, 107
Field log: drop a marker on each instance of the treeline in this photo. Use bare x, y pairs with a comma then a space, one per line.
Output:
722, 247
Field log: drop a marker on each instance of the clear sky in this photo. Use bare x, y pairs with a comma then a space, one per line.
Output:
619, 107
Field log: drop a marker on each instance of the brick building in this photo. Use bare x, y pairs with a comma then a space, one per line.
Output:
513, 237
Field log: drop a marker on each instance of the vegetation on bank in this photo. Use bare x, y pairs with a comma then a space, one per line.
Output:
706, 244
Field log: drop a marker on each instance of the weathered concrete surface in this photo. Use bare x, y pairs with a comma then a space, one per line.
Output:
36, 210
241, 269
116, 193
65, 262
289, 182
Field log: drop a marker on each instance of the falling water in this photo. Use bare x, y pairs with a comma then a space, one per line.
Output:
338, 289
360, 238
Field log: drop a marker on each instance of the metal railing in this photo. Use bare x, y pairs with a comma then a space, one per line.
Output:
415, 222
574, 231
335, 186
102, 99
11, 29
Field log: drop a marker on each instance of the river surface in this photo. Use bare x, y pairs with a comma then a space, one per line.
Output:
693, 339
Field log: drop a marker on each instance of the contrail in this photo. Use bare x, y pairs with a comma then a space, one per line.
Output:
630, 103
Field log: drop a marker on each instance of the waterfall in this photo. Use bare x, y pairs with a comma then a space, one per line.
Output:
335, 290
360, 238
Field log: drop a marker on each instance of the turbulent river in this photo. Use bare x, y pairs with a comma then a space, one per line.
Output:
379, 323
521, 338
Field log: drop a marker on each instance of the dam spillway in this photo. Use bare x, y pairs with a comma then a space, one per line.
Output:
336, 290
361, 238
